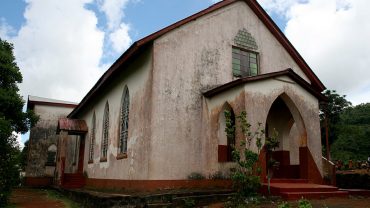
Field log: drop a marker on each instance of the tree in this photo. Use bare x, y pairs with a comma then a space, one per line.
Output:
353, 130
330, 115
12, 120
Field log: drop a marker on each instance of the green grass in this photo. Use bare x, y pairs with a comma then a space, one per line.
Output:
54, 195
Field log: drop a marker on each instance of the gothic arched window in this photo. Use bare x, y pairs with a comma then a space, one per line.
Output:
92, 139
124, 118
104, 146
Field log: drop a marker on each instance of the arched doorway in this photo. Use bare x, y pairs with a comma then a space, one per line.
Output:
285, 118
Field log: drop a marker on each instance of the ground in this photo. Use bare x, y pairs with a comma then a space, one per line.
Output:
351, 202
36, 198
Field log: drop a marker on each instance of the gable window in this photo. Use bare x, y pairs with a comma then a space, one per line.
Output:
124, 116
245, 63
92, 140
244, 55
104, 145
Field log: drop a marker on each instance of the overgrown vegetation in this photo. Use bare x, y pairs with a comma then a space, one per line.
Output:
246, 176
349, 127
51, 194
196, 176
12, 121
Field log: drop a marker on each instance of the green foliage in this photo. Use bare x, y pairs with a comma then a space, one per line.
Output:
218, 175
246, 180
230, 125
283, 205
196, 176
353, 130
335, 106
304, 203
189, 203
271, 143
12, 119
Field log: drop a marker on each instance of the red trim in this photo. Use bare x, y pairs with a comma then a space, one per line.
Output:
151, 185
137, 46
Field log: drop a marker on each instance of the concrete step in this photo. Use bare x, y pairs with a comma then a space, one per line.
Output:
357, 192
159, 205
313, 195
288, 180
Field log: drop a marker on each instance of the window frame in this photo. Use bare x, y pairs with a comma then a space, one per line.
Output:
240, 75
92, 139
124, 120
105, 134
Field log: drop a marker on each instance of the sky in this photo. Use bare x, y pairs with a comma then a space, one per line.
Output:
63, 47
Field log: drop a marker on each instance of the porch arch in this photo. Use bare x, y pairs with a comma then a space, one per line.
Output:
286, 119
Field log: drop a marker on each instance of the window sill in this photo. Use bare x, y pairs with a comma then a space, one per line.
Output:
103, 159
121, 156
90, 162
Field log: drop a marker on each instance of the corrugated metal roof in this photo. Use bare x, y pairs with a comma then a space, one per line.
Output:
34, 100
72, 126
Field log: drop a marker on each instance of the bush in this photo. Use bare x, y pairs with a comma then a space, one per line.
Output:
196, 176
357, 181
304, 203
218, 176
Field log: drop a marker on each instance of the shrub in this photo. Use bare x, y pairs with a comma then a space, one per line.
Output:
218, 176
196, 176
304, 203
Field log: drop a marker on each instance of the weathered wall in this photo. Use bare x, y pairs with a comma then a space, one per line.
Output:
259, 96
41, 137
187, 60
137, 77
171, 125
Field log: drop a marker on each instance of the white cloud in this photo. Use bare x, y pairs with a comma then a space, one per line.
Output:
332, 36
120, 38
279, 7
58, 49
5, 29
118, 30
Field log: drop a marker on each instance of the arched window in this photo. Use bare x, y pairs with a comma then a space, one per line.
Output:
225, 143
92, 139
104, 145
123, 135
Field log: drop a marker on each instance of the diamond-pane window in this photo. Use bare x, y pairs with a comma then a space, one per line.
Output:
104, 148
125, 105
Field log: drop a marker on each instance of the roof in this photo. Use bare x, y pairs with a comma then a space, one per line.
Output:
139, 45
72, 126
34, 100
288, 72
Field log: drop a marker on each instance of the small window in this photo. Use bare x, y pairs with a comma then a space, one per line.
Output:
245, 63
92, 139
51, 155
105, 136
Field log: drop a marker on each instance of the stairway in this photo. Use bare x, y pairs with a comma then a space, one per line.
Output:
73, 180
291, 189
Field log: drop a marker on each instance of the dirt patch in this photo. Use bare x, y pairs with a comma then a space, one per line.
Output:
351, 202
33, 198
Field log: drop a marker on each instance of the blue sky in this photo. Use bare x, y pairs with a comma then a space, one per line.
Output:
67, 45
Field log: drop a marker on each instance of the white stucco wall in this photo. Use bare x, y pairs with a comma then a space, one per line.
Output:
187, 60
259, 96
137, 78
